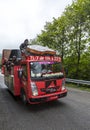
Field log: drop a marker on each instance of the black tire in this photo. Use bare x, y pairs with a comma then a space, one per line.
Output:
23, 97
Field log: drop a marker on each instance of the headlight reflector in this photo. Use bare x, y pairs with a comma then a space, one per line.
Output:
63, 85
34, 89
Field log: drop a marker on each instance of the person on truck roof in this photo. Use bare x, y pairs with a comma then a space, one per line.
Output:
24, 45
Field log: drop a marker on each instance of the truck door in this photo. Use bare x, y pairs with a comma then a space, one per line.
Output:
24, 78
24, 84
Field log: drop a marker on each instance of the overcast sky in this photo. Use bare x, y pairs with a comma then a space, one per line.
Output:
21, 19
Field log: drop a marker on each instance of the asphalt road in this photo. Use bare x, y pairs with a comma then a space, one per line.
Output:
69, 113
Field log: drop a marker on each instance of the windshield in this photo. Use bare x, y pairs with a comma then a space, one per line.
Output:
46, 69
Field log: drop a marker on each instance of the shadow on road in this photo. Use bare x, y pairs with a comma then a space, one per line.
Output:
16, 102
46, 105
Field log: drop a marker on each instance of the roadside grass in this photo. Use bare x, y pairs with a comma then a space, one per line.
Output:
79, 86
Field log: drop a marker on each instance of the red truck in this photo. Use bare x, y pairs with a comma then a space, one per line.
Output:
34, 73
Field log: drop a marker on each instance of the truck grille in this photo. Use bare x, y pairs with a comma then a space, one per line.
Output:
47, 83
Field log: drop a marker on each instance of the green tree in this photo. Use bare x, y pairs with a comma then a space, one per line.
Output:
70, 36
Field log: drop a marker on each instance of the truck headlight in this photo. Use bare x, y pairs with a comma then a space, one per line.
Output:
34, 89
63, 85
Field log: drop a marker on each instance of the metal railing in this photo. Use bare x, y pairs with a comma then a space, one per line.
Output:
77, 81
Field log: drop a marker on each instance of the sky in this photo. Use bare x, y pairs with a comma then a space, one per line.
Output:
24, 19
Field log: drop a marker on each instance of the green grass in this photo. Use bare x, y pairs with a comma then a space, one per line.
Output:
80, 87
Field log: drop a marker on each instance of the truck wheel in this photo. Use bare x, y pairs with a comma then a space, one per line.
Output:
23, 97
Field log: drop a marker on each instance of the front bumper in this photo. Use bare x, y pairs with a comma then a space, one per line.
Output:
48, 97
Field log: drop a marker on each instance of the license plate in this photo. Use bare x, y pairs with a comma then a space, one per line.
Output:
51, 90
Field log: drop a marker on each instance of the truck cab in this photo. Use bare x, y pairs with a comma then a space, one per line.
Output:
43, 77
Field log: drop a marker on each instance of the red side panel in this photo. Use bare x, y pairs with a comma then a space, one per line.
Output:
3, 70
16, 81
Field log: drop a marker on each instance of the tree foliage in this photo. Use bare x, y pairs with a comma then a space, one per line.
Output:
69, 34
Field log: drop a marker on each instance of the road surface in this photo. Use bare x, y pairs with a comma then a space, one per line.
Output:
69, 113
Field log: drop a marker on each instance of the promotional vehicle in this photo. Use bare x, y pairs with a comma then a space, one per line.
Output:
35, 73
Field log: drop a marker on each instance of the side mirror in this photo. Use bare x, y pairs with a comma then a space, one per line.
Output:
20, 73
